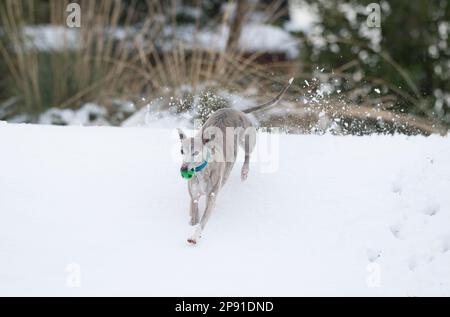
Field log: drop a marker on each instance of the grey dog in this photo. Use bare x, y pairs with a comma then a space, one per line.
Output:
209, 157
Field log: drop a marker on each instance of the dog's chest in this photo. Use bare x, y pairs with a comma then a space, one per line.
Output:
200, 185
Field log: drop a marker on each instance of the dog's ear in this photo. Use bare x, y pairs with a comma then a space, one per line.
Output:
181, 134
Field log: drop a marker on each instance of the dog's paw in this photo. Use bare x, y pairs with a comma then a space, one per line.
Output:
244, 174
196, 236
192, 241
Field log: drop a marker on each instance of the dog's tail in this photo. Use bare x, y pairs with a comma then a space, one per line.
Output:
273, 101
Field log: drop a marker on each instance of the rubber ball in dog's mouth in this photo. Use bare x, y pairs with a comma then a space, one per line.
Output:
187, 174
187, 171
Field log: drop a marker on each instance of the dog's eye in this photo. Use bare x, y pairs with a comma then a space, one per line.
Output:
182, 152
196, 153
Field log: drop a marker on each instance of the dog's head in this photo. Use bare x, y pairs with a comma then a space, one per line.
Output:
193, 150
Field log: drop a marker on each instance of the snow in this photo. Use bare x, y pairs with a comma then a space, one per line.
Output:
267, 38
51, 37
88, 114
154, 115
104, 211
255, 37
302, 15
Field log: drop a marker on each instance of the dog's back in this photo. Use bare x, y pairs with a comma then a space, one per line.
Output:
227, 117
228, 128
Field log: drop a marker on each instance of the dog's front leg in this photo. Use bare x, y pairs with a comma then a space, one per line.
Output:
211, 201
194, 193
194, 211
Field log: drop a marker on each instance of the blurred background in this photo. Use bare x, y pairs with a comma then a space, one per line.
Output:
170, 63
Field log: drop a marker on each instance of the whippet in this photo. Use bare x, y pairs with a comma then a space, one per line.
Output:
209, 157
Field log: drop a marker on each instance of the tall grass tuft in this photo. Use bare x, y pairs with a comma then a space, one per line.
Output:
120, 51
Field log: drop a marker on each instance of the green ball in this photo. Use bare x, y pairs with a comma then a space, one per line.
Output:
187, 174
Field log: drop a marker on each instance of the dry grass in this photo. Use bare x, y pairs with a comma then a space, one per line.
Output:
103, 66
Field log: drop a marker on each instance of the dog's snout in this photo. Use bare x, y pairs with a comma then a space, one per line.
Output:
184, 167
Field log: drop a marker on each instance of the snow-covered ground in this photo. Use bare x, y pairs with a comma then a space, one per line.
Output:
104, 211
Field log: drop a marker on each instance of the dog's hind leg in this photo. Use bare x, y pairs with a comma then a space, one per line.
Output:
246, 166
248, 145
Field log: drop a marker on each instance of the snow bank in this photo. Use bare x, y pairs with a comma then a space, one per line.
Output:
52, 37
88, 114
255, 38
103, 211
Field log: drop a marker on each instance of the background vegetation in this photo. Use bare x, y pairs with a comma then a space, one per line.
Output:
350, 79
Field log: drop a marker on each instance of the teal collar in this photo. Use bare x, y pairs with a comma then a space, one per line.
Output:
201, 166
